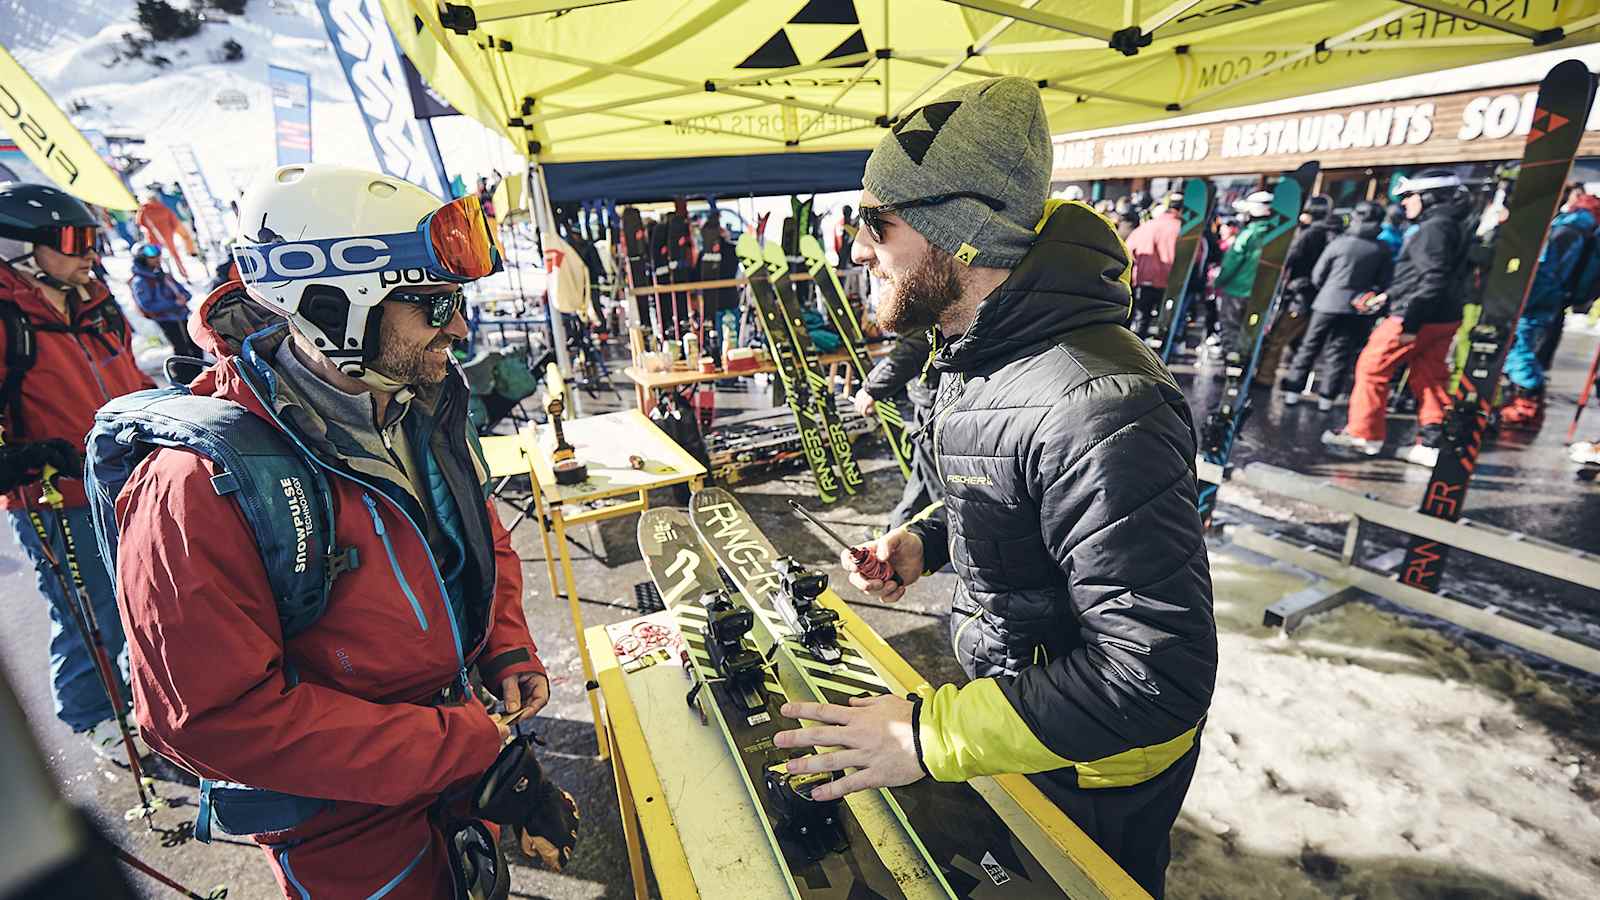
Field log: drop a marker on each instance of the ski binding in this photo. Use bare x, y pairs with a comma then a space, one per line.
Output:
813, 824
795, 599
742, 668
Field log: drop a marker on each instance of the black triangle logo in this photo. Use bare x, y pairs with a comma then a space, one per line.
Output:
917, 139
776, 53
827, 12
855, 43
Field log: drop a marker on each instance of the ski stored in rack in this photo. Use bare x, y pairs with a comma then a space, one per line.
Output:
796, 387
820, 846
1559, 114
855, 344
1199, 198
1220, 430
820, 386
977, 854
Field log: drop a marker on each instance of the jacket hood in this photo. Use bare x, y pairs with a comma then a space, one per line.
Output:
1581, 219
1367, 230
22, 290
1075, 275
226, 318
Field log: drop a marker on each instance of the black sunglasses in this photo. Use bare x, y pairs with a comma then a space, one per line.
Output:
873, 216
439, 308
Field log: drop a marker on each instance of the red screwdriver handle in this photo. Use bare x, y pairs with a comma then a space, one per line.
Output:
870, 567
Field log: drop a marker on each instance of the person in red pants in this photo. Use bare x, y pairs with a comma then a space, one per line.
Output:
1424, 310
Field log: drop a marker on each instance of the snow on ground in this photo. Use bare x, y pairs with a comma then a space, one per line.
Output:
1367, 757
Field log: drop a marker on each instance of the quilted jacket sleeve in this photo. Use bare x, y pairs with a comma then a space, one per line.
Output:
1115, 488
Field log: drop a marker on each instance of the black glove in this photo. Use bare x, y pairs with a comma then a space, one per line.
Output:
22, 464
516, 792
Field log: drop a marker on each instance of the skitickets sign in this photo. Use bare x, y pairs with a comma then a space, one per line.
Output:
1445, 128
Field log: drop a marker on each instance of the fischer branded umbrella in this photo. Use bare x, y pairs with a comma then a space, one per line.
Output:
589, 80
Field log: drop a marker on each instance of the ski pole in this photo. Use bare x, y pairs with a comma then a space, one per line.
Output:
81, 607
217, 893
868, 565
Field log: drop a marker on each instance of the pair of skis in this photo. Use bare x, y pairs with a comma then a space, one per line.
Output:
1220, 431
806, 388
855, 344
774, 640
1558, 120
1199, 200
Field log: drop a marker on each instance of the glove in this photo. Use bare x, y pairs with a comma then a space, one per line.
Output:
515, 792
22, 464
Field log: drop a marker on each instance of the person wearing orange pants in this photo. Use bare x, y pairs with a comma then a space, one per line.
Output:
160, 226
1387, 350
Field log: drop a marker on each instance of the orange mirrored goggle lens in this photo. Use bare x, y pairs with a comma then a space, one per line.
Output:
463, 242
76, 240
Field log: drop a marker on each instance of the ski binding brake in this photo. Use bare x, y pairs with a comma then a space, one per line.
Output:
795, 599
740, 666
813, 824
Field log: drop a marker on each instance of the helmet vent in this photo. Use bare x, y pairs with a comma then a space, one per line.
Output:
291, 174
381, 189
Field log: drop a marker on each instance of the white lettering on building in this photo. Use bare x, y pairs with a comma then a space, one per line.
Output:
1383, 126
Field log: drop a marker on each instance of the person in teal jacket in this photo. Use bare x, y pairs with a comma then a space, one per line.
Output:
1238, 270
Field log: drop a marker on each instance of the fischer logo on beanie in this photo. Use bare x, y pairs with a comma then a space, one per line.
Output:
989, 137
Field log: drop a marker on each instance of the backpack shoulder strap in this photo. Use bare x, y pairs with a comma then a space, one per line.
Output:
284, 496
22, 351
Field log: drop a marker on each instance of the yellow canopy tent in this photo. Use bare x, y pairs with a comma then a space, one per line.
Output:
582, 80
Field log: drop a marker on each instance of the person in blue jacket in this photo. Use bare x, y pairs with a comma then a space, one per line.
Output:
1394, 230
1560, 265
162, 299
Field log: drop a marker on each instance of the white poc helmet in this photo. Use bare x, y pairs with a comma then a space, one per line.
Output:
309, 250
1258, 205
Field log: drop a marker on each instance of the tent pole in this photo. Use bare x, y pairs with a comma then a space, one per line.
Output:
545, 216
1487, 21
1036, 17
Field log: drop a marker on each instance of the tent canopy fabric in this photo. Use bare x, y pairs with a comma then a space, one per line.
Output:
591, 80
641, 180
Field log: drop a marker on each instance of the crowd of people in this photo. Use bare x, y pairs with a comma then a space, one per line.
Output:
1372, 296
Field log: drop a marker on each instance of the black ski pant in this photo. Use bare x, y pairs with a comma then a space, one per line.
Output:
1146, 308
1230, 319
923, 487
1551, 339
1133, 825
1330, 347
178, 337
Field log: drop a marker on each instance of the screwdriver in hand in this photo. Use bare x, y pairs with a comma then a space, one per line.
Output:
868, 565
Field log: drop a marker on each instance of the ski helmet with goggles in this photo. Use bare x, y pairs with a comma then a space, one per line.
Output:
35, 214
1435, 185
1257, 206
146, 250
322, 245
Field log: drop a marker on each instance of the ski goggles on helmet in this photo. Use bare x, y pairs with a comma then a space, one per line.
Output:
873, 216
455, 243
439, 307
71, 240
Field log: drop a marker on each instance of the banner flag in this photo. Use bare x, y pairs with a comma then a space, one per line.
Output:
371, 61
291, 114
41, 130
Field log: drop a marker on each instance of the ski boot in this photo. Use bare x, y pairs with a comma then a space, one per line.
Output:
1525, 411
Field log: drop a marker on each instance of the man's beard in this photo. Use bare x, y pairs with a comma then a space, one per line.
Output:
916, 299
412, 363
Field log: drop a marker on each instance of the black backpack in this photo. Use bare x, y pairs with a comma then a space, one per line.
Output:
22, 349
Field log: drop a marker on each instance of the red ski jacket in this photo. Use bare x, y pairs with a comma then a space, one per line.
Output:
72, 376
361, 720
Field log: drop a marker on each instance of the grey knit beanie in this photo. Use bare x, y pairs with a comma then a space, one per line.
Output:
990, 137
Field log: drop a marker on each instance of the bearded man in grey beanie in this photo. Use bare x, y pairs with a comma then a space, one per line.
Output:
1082, 611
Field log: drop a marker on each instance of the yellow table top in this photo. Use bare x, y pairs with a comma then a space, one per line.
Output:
678, 377
604, 443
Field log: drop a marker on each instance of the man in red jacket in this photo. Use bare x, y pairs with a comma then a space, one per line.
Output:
1153, 245
64, 351
364, 720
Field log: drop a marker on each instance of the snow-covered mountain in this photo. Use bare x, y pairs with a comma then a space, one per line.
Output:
76, 50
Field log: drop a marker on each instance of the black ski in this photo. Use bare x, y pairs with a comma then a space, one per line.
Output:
1199, 198
821, 389
855, 344
640, 271
796, 388
1221, 428
1558, 119
820, 846
977, 853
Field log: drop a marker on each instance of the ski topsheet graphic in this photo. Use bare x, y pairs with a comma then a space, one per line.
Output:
1221, 428
796, 387
1199, 196
855, 343
820, 845
1558, 119
977, 854
820, 386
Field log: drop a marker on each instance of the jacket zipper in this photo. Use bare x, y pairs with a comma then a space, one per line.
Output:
444, 594
956, 643
388, 547
938, 421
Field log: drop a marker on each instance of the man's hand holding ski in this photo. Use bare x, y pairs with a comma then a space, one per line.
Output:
876, 736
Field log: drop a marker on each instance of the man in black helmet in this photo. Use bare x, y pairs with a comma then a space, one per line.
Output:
64, 351
1423, 309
